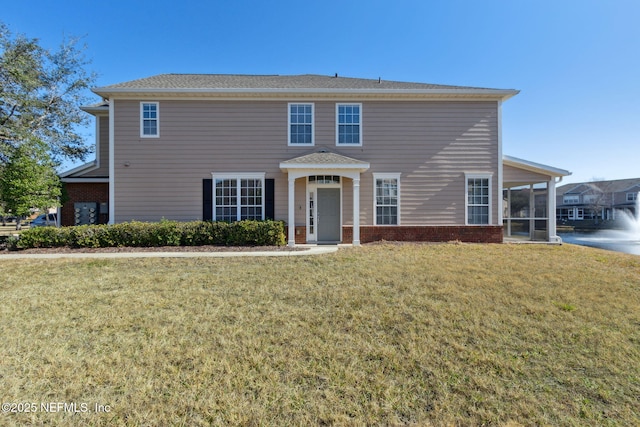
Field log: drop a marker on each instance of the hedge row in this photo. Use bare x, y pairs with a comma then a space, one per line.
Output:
147, 234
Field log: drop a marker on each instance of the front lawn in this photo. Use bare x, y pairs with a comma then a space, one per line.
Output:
378, 335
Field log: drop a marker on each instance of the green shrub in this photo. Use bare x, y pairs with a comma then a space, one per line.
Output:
89, 236
43, 237
197, 233
258, 233
12, 243
163, 233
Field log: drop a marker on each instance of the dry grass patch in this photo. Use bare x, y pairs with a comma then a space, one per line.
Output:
382, 334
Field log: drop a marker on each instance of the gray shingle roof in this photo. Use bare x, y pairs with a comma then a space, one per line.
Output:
238, 81
606, 186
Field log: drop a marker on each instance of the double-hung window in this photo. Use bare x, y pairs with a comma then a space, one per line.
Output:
571, 199
301, 124
387, 198
149, 120
349, 124
239, 197
478, 199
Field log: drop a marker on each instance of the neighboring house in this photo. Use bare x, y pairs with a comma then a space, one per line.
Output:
342, 159
596, 201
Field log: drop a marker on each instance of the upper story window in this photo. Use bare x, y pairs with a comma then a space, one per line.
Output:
592, 198
149, 124
300, 124
632, 197
349, 124
478, 199
571, 199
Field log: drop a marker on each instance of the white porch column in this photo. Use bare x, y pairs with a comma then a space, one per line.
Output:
356, 212
509, 212
291, 221
551, 211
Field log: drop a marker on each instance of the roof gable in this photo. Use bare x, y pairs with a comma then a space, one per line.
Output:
322, 159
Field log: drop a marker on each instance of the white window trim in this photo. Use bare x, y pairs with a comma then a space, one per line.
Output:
313, 187
467, 177
157, 134
376, 177
313, 124
632, 197
571, 199
338, 105
237, 177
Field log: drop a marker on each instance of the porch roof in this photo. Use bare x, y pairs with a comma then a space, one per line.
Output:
324, 159
535, 169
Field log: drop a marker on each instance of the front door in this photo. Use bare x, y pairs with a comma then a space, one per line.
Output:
328, 215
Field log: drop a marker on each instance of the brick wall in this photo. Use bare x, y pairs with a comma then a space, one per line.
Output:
368, 233
301, 234
84, 192
469, 234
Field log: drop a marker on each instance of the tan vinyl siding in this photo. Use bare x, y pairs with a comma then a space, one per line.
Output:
102, 142
432, 144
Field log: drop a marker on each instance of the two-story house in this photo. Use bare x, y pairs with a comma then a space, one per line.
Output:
596, 201
338, 159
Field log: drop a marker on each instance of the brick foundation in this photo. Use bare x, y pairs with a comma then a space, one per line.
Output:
301, 234
84, 192
418, 233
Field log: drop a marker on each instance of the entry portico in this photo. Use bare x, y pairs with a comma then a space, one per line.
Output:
321, 169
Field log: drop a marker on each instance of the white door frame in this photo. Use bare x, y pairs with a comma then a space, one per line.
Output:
312, 232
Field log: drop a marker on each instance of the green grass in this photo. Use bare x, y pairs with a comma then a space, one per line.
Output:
376, 335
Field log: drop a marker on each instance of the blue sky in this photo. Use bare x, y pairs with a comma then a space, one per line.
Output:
576, 62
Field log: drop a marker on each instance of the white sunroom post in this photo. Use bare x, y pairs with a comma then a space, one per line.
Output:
356, 212
551, 211
532, 213
292, 213
509, 212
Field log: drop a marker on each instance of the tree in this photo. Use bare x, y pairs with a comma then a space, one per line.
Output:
40, 95
598, 197
29, 180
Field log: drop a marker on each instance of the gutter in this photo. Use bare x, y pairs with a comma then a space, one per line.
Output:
502, 94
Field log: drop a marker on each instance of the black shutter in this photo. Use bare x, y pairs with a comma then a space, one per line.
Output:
207, 200
269, 198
